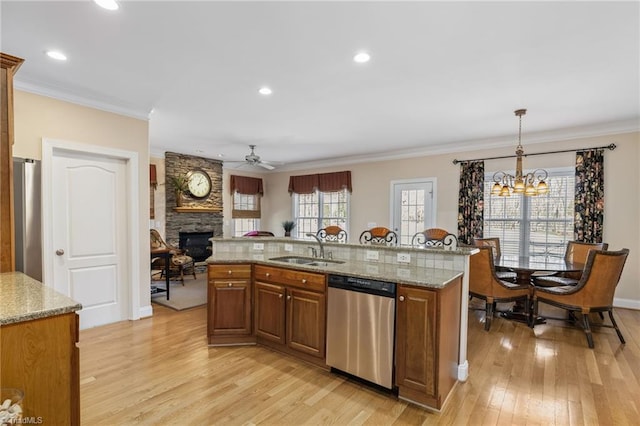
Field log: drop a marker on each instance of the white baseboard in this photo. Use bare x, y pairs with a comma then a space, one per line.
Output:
626, 303
145, 311
463, 371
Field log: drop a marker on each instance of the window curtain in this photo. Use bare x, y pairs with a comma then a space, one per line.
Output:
471, 201
324, 182
589, 196
246, 185
153, 181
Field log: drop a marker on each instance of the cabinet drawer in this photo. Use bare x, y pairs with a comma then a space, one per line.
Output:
230, 271
301, 279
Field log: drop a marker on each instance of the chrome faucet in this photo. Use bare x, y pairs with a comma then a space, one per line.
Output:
309, 234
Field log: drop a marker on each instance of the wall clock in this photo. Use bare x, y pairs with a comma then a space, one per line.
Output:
199, 183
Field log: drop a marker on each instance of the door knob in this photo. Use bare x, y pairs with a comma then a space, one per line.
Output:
59, 252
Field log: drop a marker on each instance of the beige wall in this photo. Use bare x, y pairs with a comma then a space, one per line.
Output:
371, 188
37, 117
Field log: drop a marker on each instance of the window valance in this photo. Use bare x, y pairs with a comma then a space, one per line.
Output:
153, 176
246, 185
324, 182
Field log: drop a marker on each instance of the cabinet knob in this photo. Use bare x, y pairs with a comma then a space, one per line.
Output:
267, 275
304, 281
230, 284
280, 296
59, 252
401, 298
230, 272
289, 297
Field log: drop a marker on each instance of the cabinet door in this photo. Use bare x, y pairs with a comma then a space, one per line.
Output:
230, 307
269, 312
416, 337
306, 321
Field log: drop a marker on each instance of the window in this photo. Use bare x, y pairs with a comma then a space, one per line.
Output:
529, 226
319, 209
246, 213
242, 226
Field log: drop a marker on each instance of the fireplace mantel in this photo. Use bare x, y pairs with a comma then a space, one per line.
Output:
187, 209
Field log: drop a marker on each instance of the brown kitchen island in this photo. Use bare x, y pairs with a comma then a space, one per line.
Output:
430, 337
38, 349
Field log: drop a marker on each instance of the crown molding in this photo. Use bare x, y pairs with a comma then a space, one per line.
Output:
56, 93
559, 135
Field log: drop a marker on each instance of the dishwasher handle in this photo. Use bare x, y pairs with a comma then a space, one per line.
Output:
363, 285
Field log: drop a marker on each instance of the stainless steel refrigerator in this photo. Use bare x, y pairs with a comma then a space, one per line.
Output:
28, 216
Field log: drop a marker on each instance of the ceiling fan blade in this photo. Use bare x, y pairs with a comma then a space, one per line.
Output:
265, 165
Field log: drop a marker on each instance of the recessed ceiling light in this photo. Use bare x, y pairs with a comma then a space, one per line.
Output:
107, 4
362, 57
54, 54
266, 91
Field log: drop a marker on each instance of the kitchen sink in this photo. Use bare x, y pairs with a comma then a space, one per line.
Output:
311, 261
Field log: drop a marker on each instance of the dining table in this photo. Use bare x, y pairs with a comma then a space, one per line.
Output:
525, 267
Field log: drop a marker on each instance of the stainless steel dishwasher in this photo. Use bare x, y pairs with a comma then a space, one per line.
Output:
360, 328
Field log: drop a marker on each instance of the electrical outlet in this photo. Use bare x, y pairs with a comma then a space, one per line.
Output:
258, 246
371, 255
288, 247
404, 258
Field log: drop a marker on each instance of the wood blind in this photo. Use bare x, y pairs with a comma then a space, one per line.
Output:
245, 186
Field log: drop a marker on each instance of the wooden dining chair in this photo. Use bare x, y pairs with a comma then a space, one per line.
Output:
494, 243
593, 293
332, 234
380, 236
485, 284
576, 252
434, 237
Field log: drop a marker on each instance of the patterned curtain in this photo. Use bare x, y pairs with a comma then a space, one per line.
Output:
589, 202
471, 201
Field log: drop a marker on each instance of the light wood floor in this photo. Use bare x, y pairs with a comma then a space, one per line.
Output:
159, 371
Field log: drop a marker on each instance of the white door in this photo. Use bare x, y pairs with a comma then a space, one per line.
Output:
413, 208
89, 231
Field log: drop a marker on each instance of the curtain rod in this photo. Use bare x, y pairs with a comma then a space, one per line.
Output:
611, 147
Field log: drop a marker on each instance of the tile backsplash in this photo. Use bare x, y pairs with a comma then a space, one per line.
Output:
265, 248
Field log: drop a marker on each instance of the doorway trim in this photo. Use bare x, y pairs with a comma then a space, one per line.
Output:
50, 147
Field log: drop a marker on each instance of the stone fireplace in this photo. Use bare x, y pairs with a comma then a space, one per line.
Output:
196, 244
195, 216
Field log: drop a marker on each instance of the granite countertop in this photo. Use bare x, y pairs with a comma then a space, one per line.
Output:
22, 299
411, 275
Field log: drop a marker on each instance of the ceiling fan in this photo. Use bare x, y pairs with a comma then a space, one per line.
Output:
253, 159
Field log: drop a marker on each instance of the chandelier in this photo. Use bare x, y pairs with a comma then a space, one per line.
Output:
533, 183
